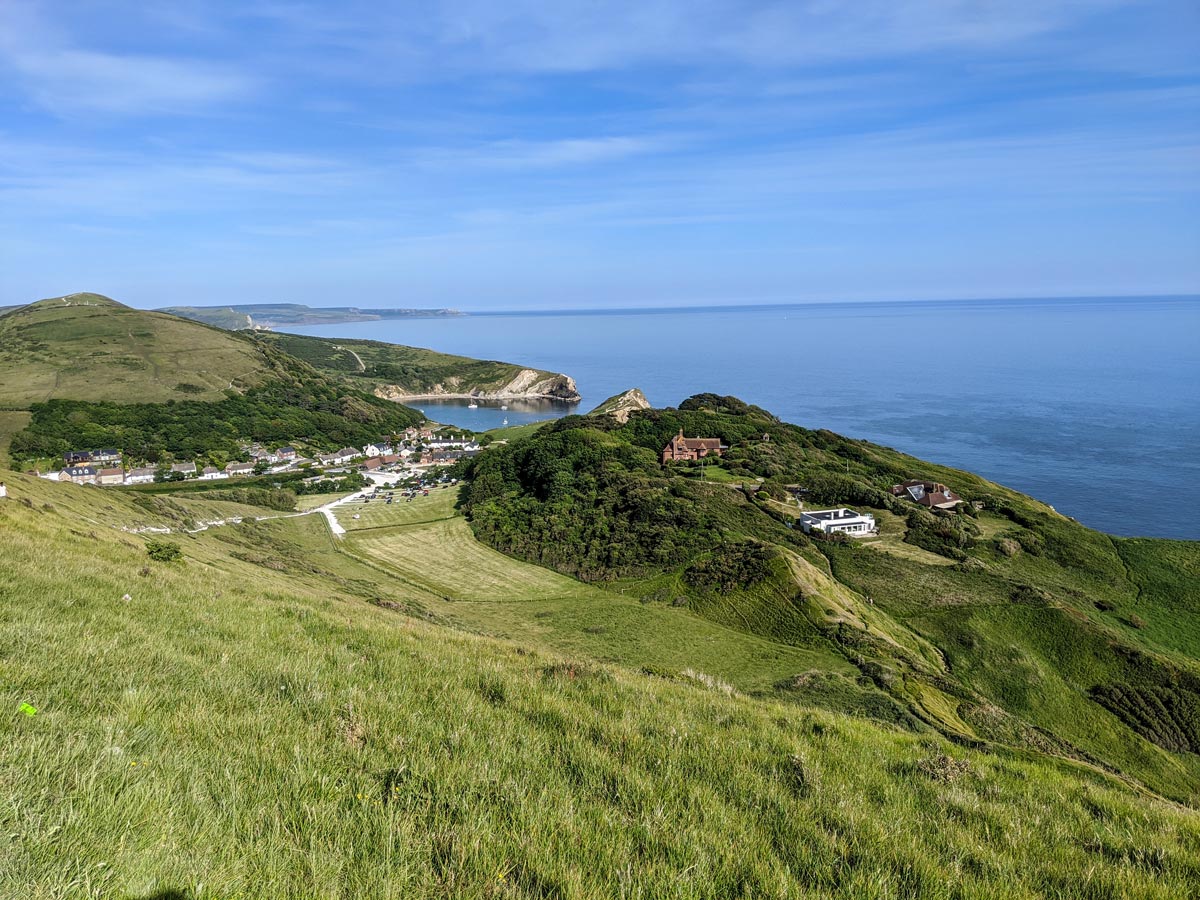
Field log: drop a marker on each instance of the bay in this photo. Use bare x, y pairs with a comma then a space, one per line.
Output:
1092, 405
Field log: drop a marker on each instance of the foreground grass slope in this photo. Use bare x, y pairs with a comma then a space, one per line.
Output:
267, 717
1003, 623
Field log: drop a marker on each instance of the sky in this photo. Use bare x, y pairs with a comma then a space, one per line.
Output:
485, 155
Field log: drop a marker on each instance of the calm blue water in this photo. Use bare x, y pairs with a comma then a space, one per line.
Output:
1090, 405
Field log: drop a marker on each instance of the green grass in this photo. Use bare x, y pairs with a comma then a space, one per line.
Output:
88, 347
378, 514
414, 371
11, 421
246, 725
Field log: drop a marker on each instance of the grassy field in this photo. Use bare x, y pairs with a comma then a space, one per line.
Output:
378, 514
88, 347
249, 725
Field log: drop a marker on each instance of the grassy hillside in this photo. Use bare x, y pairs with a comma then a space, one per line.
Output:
84, 371
268, 716
1008, 623
87, 347
412, 370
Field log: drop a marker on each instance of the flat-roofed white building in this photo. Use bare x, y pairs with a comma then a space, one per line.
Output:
835, 521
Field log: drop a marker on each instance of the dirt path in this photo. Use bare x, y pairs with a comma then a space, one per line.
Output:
362, 367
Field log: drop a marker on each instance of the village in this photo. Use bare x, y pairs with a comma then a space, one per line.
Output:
415, 449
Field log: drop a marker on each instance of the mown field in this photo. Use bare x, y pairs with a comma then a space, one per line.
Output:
268, 717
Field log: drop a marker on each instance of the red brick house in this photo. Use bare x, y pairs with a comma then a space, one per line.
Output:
680, 447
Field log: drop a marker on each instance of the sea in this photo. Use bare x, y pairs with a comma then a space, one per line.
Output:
1089, 404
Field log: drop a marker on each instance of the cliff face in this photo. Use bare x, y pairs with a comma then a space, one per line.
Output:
527, 384
621, 405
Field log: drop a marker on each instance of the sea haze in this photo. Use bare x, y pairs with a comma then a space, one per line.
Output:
1092, 405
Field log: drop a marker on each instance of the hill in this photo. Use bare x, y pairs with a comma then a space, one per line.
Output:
273, 315
88, 347
619, 406
1002, 622
270, 715
85, 371
405, 373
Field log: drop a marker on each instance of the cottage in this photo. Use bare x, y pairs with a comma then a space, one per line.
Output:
186, 469
140, 475
370, 465
77, 457
286, 453
114, 475
342, 456
78, 475
390, 459
685, 448
240, 468
212, 473
931, 494
377, 449
838, 521
107, 455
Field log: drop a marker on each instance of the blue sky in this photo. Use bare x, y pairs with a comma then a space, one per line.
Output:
529, 154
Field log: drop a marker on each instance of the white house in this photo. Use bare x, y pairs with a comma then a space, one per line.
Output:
140, 475
212, 473
843, 521
240, 468
342, 456
186, 469
380, 449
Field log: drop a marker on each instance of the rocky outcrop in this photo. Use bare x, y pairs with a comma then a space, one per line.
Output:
527, 384
621, 405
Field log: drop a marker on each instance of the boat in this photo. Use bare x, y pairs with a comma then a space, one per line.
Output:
502, 406
505, 422
472, 405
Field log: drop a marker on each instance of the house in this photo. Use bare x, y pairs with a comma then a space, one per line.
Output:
838, 521
342, 456
258, 454
212, 473
390, 459
375, 462
78, 475
931, 494
240, 468
680, 447
77, 457
114, 475
377, 449
186, 469
286, 453
141, 475
107, 455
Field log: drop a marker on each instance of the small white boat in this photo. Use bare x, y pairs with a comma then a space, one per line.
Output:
505, 422
472, 405
503, 407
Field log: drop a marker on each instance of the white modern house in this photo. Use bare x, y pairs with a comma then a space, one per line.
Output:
835, 521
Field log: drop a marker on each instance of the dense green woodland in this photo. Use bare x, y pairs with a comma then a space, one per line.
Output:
327, 416
1007, 622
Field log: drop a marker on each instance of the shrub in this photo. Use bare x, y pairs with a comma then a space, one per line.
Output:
163, 551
